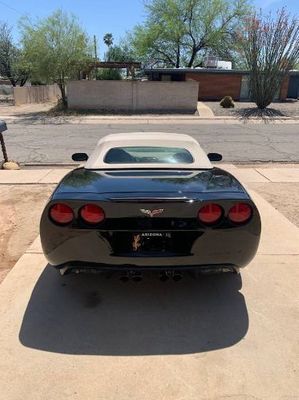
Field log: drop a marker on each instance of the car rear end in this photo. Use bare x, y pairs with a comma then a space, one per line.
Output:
157, 220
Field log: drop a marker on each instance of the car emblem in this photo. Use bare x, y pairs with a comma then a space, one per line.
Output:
152, 213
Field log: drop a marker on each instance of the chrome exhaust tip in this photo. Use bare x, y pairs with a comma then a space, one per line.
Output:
177, 276
164, 277
64, 271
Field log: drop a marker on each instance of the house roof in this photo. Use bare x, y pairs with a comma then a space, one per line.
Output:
180, 71
150, 71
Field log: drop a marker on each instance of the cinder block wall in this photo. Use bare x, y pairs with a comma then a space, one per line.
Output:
216, 86
133, 96
36, 94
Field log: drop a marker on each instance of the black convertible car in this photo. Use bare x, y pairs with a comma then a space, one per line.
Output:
149, 201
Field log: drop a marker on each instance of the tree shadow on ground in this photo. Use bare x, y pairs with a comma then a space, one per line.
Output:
266, 115
90, 314
58, 115
40, 118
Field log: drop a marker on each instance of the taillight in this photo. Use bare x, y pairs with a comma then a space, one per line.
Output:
210, 213
92, 214
61, 213
240, 213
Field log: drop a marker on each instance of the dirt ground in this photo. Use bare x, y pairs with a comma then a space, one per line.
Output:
283, 196
26, 109
20, 210
288, 109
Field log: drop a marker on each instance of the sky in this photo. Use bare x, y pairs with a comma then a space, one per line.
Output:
101, 16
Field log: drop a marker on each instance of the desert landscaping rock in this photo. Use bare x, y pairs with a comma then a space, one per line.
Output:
10, 165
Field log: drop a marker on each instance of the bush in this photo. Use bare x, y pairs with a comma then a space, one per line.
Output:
109, 74
227, 102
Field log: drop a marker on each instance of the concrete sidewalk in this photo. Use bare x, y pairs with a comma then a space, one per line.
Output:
83, 337
244, 174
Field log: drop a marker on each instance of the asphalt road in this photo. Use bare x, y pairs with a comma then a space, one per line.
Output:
54, 143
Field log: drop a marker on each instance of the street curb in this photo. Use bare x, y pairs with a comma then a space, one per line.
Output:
218, 164
135, 118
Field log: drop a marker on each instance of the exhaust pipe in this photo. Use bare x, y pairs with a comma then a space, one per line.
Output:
136, 276
164, 276
64, 271
177, 276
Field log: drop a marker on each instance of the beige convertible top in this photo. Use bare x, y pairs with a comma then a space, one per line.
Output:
152, 139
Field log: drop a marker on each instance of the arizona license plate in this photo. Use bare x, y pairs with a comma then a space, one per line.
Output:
151, 241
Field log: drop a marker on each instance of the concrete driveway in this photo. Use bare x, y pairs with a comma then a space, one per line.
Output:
219, 337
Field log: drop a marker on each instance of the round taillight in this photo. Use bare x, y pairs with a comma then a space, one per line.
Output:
210, 213
240, 213
61, 213
92, 214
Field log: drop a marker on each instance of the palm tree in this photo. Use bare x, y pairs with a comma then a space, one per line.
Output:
108, 39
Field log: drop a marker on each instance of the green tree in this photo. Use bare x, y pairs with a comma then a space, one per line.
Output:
12, 64
120, 53
271, 49
180, 32
56, 49
108, 39
108, 74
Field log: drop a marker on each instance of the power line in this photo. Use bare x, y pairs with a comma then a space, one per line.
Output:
11, 8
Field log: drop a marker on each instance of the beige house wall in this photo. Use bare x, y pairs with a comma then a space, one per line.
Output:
36, 94
133, 96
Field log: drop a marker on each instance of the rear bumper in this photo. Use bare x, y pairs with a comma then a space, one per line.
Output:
234, 247
78, 267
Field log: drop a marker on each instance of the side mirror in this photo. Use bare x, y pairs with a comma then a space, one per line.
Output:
79, 157
214, 157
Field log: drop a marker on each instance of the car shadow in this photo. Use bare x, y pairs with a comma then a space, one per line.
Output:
90, 314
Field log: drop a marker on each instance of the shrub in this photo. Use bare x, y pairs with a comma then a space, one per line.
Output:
227, 102
109, 74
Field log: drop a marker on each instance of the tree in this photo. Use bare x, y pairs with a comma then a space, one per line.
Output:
12, 65
56, 48
180, 32
108, 74
108, 39
271, 49
120, 53
116, 53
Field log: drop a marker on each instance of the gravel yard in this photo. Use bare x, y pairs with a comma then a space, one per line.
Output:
288, 109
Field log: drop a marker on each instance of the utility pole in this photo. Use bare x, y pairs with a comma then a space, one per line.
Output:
95, 47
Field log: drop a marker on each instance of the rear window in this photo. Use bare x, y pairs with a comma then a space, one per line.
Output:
148, 155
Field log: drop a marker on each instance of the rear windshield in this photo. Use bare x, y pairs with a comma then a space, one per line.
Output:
148, 155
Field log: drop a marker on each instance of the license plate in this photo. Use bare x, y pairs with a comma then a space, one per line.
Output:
151, 242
